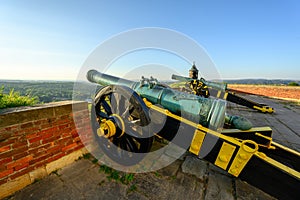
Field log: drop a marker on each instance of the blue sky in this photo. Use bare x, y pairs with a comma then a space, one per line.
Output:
245, 39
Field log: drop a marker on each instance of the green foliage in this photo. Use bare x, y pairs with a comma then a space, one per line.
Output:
157, 174
124, 178
127, 178
114, 175
46, 91
14, 99
293, 84
87, 156
94, 161
105, 169
132, 188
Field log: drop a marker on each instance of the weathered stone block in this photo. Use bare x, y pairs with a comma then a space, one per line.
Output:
195, 166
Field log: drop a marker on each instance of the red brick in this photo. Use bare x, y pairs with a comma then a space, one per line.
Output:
54, 149
33, 135
22, 166
66, 134
33, 151
45, 126
41, 158
77, 139
51, 139
79, 146
39, 153
36, 123
38, 164
55, 157
20, 143
64, 126
74, 132
8, 141
57, 133
35, 144
48, 135
5, 148
67, 130
69, 147
5, 160
12, 128
68, 142
62, 121
49, 130
4, 180
7, 154
6, 173
36, 139
31, 130
20, 150
45, 146
19, 162
21, 172
11, 165
20, 155
27, 125
2, 168
18, 133
27, 158
63, 141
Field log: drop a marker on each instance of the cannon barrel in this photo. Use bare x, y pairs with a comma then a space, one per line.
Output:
212, 84
205, 111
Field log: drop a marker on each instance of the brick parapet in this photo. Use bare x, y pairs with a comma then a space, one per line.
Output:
33, 138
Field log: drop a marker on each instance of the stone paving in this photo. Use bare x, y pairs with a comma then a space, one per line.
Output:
186, 178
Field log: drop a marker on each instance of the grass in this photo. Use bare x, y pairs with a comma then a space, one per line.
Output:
87, 156
132, 188
124, 178
157, 174
14, 99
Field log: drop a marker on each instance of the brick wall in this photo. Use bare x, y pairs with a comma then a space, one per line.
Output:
33, 138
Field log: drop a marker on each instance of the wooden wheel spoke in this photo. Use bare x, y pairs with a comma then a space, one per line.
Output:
101, 114
131, 144
106, 107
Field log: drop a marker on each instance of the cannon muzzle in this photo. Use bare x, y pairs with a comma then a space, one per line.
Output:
104, 79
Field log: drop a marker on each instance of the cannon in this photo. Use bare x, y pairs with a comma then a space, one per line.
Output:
126, 116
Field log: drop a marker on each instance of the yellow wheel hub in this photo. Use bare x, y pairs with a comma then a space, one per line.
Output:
107, 129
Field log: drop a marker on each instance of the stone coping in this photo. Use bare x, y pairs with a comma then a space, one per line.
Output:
11, 116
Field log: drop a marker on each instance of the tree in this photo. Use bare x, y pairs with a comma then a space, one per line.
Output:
293, 84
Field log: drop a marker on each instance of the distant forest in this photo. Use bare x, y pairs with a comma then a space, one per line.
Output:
45, 91
50, 91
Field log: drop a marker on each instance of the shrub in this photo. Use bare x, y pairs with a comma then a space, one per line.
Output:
293, 84
14, 99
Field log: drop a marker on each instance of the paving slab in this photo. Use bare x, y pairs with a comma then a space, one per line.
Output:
219, 187
195, 166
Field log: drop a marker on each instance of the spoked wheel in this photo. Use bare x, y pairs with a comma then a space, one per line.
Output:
120, 124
